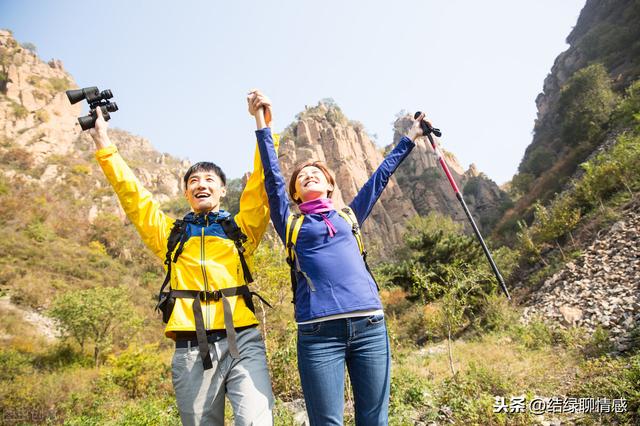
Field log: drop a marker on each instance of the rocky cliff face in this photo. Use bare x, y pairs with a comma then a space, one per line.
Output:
607, 33
41, 140
418, 186
324, 133
425, 183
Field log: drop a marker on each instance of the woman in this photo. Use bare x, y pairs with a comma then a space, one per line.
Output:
337, 306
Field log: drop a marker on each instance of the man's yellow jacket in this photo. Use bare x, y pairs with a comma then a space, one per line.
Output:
210, 259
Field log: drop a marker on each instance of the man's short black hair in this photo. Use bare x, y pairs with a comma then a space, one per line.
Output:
205, 166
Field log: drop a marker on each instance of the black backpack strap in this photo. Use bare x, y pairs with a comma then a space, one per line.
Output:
233, 231
177, 235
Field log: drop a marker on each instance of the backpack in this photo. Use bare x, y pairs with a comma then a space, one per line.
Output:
166, 299
294, 223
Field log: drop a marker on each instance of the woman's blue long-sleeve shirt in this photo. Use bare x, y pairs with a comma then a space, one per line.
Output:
334, 278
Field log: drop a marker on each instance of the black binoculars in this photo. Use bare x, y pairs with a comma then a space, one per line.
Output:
96, 99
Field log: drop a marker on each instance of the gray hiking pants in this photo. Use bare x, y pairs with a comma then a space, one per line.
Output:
246, 382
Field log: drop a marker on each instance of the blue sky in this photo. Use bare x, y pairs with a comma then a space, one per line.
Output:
180, 70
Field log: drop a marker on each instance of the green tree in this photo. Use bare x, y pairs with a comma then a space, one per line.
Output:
451, 316
434, 247
231, 201
95, 316
585, 105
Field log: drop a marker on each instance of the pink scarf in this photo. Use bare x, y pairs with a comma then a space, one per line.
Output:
319, 205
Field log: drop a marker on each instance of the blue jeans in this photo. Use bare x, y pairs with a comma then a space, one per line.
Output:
323, 350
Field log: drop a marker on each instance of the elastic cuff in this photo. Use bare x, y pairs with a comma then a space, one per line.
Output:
408, 139
106, 151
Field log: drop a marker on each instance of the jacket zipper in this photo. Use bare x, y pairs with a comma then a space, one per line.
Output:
204, 273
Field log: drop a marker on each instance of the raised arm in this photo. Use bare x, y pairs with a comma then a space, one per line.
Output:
253, 217
368, 195
276, 188
152, 224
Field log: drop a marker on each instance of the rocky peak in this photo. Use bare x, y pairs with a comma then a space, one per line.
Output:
425, 183
34, 110
41, 141
419, 186
324, 133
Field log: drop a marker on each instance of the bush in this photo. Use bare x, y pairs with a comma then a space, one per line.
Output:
599, 344
29, 46
470, 396
59, 84
497, 314
534, 335
42, 116
13, 364
410, 397
19, 111
95, 316
39, 232
18, 158
283, 362
138, 370
613, 378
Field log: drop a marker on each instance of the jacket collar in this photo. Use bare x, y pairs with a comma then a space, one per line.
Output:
211, 217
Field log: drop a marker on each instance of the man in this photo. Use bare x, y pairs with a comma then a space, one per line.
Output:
210, 313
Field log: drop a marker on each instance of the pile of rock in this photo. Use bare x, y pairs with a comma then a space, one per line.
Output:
601, 288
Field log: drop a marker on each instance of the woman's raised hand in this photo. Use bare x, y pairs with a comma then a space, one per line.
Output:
257, 100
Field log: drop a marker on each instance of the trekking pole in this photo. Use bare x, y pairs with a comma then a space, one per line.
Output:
427, 129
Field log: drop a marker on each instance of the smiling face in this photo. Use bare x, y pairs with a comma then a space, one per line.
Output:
311, 181
204, 190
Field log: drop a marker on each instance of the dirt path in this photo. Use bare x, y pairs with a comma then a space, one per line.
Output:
44, 325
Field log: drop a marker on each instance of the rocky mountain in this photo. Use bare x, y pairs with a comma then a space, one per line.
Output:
426, 185
42, 141
602, 60
419, 186
325, 134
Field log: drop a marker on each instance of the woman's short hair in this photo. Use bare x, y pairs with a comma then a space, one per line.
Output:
320, 165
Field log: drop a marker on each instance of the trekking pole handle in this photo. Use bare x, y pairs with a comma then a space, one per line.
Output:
426, 126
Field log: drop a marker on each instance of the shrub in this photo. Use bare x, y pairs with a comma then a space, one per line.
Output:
138, 370
59, 84
534, 335
613, 378
13, 364
42, 116
18, 158
497, 314
39, 232
18, 110
29, 46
